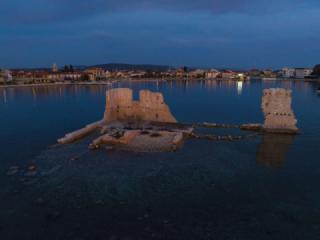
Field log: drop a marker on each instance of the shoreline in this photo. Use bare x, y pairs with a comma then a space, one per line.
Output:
55, 84
86, 83
109, 82
146, 80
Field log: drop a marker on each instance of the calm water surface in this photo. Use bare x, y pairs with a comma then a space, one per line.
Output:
263, 188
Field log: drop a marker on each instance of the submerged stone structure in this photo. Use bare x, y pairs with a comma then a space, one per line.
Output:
139, 140
120, 106
147, 125
279, 116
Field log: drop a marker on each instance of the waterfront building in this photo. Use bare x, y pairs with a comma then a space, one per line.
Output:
241, 76
228, 74
5, 76
95, 74
198, 73
255, 73
181, 72
65, 76
122, 74
30, 77
108, 74
267, 73
288, 72
303, 72
170, 74
1, 77
296, 72
212, 73
138, 74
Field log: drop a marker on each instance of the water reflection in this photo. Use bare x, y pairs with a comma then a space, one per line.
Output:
42, 92
316, 87
4, 93
7, 94
273, 149
239, 87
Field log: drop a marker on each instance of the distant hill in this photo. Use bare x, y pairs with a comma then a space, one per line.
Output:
122, 66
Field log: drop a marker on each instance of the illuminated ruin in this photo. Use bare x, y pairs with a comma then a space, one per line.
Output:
279, 116
147, 125
150, 107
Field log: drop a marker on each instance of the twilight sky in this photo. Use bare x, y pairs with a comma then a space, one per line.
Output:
216, 33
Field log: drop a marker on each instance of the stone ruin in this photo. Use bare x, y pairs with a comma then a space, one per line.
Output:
279, 116
150, 107
147, 125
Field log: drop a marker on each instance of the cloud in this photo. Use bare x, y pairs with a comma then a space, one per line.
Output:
47, 11
230, 33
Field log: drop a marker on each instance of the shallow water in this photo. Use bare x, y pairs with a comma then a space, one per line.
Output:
263, 188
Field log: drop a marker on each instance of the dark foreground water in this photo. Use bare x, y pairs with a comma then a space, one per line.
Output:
263, 188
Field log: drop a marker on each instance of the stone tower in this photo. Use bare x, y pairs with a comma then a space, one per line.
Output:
150, 107
279, 116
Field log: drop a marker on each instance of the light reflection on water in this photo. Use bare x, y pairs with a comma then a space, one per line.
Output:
239, 87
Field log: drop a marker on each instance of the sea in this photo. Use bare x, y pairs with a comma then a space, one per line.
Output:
266, 187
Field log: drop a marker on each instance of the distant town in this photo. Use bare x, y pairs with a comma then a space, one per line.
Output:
71, 74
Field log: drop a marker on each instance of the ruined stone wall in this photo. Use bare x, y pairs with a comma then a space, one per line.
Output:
151, 107
119, 105
276, 106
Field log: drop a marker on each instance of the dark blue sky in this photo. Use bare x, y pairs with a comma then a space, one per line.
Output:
216, 33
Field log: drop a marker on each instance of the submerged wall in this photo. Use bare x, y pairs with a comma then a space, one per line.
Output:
150, 107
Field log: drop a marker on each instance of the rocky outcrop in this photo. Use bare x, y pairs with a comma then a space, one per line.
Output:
150, 107
279, 116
